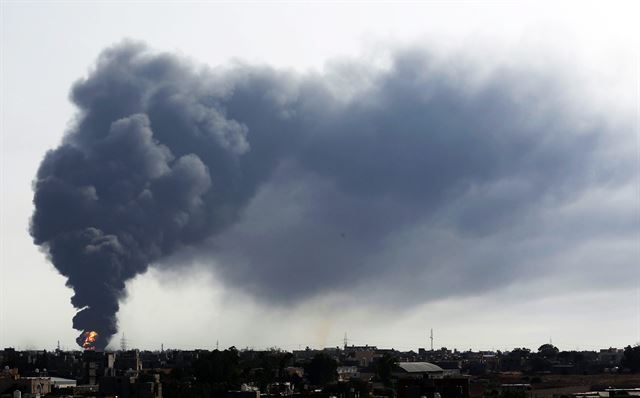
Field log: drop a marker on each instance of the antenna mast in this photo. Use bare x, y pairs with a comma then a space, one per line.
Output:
431, 338
123, 343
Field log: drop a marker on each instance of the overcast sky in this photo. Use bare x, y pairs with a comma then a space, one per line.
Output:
471, 167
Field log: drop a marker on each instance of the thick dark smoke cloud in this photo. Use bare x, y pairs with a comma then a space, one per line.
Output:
294, 185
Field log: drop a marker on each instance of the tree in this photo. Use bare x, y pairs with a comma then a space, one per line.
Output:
384, 368
350, 389
631, 358
548, 351
321, 370
515, 359
219, 369
519, 353
543, 360
267, 367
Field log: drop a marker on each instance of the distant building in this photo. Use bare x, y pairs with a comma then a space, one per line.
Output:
363, 355
433, 388
59, 382
610, 356
95, 364
279, 389
26, 385
131, 386
418, 370
304, 355
128, 360
346, 373
450, 368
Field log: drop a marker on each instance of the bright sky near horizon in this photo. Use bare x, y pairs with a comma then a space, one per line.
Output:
48, 45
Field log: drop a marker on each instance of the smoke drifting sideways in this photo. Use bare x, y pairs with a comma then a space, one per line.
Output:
165, 155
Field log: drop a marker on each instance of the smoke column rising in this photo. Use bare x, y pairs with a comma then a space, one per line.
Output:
165, 155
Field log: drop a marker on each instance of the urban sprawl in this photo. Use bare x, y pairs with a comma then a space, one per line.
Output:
341, 372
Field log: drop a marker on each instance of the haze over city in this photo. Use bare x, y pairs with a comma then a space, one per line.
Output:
280, 174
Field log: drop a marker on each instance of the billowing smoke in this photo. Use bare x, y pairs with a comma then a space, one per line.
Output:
298, 183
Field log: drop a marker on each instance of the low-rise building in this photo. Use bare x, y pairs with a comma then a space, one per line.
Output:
418, 370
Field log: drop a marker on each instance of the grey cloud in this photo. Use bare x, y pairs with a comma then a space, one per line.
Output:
292, 191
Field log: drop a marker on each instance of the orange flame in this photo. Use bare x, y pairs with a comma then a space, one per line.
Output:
90, 337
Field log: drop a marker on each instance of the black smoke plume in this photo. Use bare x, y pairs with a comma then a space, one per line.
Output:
164, 155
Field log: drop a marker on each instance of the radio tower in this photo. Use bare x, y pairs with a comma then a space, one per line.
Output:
123, 343
346, 340
431, 338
